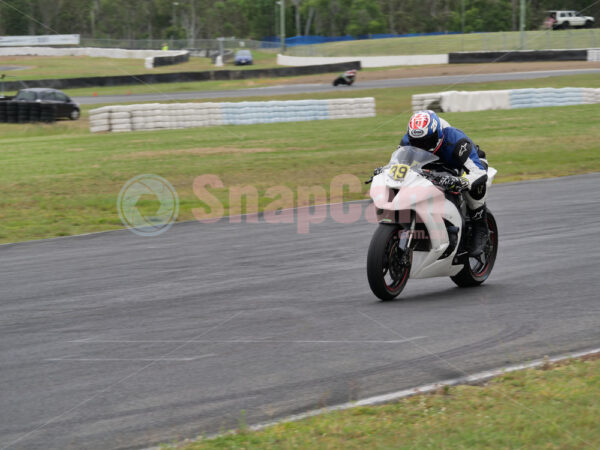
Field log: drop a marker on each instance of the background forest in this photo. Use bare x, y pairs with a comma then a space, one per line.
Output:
256, 19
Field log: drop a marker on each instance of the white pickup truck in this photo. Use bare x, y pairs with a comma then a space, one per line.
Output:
567, 19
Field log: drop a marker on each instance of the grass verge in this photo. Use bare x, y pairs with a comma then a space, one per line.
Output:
60, 179
422, 45
552, 408
43, 67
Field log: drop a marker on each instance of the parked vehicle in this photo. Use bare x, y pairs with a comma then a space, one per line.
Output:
423, 229
61, 102
243, 58
560, 20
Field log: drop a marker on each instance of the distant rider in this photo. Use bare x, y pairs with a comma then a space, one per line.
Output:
345, 78
349, 76
427, 131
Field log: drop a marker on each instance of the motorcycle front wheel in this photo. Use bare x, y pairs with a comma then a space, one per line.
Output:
387, 266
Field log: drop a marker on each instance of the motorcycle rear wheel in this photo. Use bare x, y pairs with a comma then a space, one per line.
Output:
386, 273
477, 270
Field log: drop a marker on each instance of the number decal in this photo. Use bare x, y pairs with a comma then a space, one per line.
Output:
399, 171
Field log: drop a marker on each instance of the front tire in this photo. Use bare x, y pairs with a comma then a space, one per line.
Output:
387, 267
477, 270
75, 114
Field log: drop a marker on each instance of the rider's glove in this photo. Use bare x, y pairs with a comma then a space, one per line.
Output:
452, 183
375, 173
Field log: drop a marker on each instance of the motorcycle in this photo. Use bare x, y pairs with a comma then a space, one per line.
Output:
423, 226
346, 78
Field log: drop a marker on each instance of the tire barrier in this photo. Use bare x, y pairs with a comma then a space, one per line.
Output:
156, 116
26, 112
365, 61
461, 101
518, 56
181, 77
168, 60
86, 51
593, 54
449, 58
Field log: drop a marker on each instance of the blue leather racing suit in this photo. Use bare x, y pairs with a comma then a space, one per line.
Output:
459, 152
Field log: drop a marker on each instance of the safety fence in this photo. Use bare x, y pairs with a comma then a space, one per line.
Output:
181, 44
156, 116
461, 101
449, 43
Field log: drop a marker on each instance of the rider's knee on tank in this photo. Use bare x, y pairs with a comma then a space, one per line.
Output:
475, 203
479, 188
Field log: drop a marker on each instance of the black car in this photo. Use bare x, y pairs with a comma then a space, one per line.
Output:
65, 107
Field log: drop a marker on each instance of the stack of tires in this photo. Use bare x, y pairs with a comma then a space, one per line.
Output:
26, 112
11, 112
23, 112
47, 112
35, 111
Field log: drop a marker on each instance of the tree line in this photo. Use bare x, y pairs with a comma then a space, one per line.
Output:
256, 19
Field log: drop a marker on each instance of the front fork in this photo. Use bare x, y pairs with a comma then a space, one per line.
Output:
406, 238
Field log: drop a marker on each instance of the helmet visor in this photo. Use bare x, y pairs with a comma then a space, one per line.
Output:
428, 143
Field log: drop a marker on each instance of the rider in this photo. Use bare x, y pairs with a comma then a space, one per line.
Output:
427, 131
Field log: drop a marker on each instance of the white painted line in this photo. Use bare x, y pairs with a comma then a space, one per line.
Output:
191, 358
386, 398
249, 341
393, 396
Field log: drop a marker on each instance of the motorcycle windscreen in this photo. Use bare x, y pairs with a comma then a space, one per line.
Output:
412, 156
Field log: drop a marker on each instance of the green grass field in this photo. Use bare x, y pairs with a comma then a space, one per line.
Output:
62, 180
556, 408
423, 45
41, 67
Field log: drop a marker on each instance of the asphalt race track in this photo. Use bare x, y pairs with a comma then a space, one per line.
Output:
112, 340
289, 89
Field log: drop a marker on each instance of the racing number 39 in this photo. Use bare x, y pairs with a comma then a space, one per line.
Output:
399, 171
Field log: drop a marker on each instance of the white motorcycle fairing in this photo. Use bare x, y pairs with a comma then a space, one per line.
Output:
413, 192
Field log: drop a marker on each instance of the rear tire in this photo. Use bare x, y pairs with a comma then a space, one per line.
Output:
476, 271
384, 261
565, 25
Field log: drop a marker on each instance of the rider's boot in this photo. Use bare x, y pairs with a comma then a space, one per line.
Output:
479, 231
